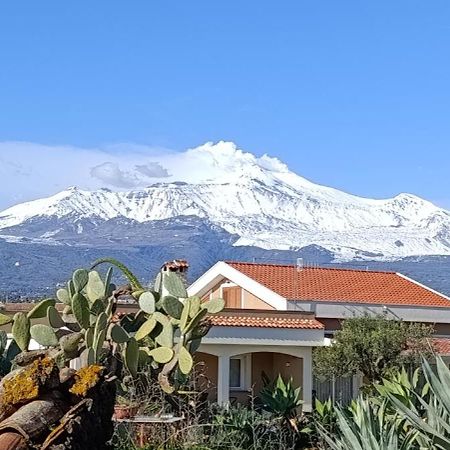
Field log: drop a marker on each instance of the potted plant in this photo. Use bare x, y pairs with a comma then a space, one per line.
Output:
125, 408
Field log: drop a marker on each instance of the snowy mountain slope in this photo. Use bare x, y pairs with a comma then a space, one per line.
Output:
257, 199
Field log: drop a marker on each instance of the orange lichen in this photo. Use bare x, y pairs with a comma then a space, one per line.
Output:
24, 386
85, 379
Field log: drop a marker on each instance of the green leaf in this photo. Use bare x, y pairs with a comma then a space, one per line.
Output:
147, 302
80, 308
4, 319
40, 310
174, 285
124, 269
44, 335
132, 356
63, 296
185, 361
145, 329
21, 330
54, 318
119, 335
95, 288
80, 279
161, 355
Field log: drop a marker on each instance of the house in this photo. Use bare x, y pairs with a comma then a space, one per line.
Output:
276, 314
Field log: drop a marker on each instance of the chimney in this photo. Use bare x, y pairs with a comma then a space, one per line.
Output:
176, 265
299, 264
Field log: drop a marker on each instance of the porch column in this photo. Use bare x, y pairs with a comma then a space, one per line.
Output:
307, 380
223, 380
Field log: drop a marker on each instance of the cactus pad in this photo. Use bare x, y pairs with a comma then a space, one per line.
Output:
80, 307
44, 335
4, 319
80, 279
40, 310
145, 329
185, 361
161, 355
132, 356
173, 285
165, 338
214, 306
147, 302
21, 331
172, 306
54, 318
95, 288
119, 335
63, 296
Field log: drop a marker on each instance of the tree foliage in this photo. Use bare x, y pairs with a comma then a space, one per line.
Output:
373, 346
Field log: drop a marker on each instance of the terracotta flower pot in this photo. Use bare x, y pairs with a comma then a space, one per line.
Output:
124, 411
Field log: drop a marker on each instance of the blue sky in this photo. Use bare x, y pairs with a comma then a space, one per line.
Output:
351, 94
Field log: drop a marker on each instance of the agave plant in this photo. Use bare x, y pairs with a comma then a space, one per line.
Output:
367, 428
432, 418
403, 414
282, 399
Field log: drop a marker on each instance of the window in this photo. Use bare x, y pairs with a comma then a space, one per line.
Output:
237, 373
232, 296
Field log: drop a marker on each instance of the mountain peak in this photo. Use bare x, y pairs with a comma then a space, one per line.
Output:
259, 200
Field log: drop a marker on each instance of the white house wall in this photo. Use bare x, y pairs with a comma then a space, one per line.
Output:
340, 310
265, 336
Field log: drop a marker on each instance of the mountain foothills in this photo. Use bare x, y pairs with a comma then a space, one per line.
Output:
252, 208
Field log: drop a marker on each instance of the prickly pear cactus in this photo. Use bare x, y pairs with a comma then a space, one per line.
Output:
84, 322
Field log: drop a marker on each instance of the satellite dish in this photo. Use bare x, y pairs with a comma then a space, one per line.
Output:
17, 263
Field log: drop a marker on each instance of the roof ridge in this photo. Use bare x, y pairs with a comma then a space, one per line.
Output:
347, 269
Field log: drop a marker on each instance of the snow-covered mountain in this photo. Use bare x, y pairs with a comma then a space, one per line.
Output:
259, 200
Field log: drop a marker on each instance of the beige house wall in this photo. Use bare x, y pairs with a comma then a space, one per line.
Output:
251, 301
271, 364
207, 369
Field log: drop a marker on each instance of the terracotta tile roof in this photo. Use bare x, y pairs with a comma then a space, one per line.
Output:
341, 285
265, 322
441, 346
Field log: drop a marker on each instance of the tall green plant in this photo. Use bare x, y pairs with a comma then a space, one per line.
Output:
373, 346
281, 398
83, 322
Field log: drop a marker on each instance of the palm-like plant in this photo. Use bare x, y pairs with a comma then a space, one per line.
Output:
431, 419
402, 415
282, 399
366, 427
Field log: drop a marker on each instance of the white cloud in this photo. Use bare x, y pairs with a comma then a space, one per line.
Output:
29, 171
110, 174
152, 170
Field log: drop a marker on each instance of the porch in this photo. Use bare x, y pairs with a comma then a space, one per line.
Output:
244, 344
